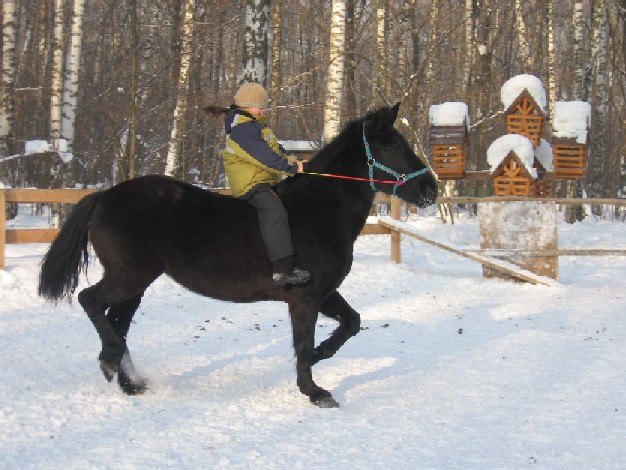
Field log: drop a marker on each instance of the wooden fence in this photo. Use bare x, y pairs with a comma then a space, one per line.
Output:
70, 196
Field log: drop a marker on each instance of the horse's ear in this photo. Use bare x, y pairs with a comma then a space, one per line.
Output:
394, 111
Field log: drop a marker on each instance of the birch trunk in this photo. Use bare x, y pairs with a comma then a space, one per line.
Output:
132, 90
350, 86
70, 87
551, 59
174, 166
574, 212
468, 17
9, 33
600, 103
432, 40
255, 42
334, 87
578, 22
379, 91
522, 35
277, 16
56, 96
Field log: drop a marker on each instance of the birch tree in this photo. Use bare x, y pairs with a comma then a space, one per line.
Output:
600, 102
522, 35
9, 33
468, 17
334, 81
177, 136
379, 83
56, 95
255, 42
551, 58
70, 87
578, 22
277, 15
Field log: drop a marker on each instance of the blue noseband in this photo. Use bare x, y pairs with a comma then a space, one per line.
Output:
401, 178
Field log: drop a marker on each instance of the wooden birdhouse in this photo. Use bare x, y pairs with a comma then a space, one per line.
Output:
543, 186
525, 117
570, 129
512, 178
512, 159
449, 139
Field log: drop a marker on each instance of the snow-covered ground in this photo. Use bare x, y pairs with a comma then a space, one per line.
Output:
450, 370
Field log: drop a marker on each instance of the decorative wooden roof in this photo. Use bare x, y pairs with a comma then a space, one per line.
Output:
525, 105
505, 169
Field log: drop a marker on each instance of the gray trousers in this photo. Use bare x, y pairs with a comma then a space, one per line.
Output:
273, 220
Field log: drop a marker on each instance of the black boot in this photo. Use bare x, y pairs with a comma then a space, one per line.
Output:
284, 273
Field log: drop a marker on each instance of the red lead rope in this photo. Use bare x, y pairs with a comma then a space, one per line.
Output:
353, 178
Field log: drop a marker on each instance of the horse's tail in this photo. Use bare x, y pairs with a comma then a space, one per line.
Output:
67, 256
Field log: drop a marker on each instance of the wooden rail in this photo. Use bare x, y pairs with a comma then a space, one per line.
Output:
70, 196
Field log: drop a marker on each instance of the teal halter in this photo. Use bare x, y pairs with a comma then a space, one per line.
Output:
401, 178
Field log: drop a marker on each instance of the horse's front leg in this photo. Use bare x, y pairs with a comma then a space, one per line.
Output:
336, 307
303, 319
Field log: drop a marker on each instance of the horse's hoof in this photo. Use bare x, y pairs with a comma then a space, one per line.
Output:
108, 371
130, 387
325, 402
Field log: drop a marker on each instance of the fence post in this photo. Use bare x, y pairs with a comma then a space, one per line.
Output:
3, 227
396, 205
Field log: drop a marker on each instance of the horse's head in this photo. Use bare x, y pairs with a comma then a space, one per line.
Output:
390, 157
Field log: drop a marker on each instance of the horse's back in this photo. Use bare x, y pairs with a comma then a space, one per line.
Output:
208, 242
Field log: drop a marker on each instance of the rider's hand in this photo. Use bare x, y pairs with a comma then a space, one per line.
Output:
300, 167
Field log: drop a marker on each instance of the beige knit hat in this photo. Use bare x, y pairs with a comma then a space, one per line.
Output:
251, 95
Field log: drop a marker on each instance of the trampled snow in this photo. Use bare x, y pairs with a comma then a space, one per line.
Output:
514, 86
450, 370
502, 146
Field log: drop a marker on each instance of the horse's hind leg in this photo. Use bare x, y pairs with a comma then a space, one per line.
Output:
120, 315
303, 319
112, 329
336, 307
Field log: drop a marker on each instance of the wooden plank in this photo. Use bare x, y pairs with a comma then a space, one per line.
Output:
3, 215
396, 256
31, 235
564, 201
560, 252
61, 196
375, 229
493, 263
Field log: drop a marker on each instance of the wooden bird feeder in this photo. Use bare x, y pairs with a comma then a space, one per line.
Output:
525, 117
512, 178
570, 131
449, 139
570, 159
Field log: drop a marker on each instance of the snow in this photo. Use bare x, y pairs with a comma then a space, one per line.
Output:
521, 145
513, 87
571, 120
451, 370
300, 145
36, 146
544, 154
59, 146
451, 113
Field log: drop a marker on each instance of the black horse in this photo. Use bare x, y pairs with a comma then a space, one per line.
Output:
212, 245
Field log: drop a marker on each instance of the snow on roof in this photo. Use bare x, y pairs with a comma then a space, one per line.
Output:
543, 153
571, 120
516, 85
450, 113
300, 145
521, 145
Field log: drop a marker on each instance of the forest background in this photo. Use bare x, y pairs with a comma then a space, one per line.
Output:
119, 85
